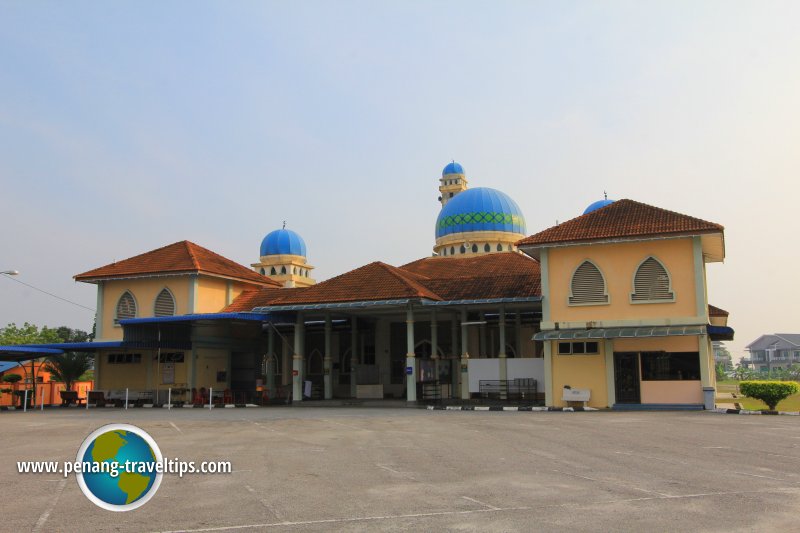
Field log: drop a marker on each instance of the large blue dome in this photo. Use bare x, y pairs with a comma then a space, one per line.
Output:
594, 206
283, 242
480, 209
453, 168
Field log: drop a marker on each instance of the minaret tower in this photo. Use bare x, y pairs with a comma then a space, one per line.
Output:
283, 258
452, 182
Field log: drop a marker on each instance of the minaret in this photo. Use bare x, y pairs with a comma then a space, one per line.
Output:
283, 258
452, 182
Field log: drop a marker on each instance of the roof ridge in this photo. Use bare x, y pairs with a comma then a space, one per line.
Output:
413, 284
190, 250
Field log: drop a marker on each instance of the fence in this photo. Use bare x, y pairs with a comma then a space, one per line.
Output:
47, 392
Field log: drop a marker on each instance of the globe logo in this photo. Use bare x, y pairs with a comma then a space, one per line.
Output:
120, 467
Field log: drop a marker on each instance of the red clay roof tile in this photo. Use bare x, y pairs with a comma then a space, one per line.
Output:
623, 218
183, 256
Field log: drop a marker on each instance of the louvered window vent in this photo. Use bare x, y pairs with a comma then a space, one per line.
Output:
588, 285
165, 304
651, 282
126, 307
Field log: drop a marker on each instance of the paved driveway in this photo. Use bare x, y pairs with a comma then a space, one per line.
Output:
323, 469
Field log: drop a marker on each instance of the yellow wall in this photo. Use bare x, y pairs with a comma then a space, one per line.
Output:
654, 344
211, 295
618, 263
120, 376
144, 291
580, 372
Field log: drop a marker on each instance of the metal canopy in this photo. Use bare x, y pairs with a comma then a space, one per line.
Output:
392, 303
255, 316
619, 333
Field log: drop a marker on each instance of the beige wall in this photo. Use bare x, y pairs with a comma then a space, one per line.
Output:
211, 295
653, 344
580, 372
671, 392
144, 291
618, 263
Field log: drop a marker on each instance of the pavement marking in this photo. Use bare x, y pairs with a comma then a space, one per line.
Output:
46, 514
176, 427
399, 473
570, 505
492, 507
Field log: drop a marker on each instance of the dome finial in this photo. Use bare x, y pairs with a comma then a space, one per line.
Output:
605, 197
284, 224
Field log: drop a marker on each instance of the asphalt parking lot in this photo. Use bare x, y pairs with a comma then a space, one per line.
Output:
357, 469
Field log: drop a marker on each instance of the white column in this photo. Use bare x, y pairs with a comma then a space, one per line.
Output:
548, 373
454, 363
271, 361
411, 360
327, 378
353, 357
484, 353
608, 350
518, 333
503, 363
435, 344
464, 371
297, 361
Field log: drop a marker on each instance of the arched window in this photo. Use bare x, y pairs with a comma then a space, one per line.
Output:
499, 247
452, 251
263, 272
165, 304
509, 248
651, 282
283, 270
474, 248
463, 249
487, 248
588, 285
126, 307
272, 271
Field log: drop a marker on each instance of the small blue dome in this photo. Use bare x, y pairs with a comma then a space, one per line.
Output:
597, 205
480, 209
283, 242
453, 168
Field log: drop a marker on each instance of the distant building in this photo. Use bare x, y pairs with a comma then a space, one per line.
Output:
777, 351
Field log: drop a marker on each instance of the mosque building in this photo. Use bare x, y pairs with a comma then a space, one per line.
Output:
611, 305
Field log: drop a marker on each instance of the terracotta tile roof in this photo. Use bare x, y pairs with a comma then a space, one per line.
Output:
375, 281
716, 311
502, 275
623, 218
181, 256
480, 266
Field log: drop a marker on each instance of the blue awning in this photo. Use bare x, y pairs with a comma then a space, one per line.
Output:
257, 317
720, 333
26, 353
79, 346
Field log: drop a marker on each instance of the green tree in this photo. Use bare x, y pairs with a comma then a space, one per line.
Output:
68, 367
28, 334
769, 392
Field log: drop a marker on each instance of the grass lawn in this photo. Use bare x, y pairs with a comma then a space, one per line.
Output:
792, 403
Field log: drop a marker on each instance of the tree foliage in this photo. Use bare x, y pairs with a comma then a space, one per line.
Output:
68, 367
28, 334
769, 392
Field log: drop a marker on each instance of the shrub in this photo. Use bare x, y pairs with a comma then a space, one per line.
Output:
12, 378
769, 392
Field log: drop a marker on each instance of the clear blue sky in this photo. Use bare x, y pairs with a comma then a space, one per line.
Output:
125, 126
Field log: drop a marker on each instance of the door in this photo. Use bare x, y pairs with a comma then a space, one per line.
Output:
626, 377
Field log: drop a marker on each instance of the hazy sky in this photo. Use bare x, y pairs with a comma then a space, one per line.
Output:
126, 126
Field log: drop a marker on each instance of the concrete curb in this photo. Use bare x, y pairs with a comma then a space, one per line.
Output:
725, 411
526, 408
145, 406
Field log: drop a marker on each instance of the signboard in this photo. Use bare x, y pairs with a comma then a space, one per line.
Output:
295, 372
409, 371
168, 373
